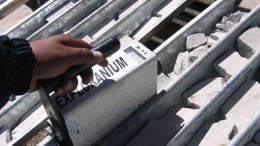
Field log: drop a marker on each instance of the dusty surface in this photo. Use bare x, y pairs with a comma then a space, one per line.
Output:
14, 18
243, 104
217, 134
248, 43
223, 65
248, 4
37, 138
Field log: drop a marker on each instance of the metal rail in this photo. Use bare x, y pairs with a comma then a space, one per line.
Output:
9, 6
247, 133
172, 95
35, 21
228, 89
68, 19
108, 11
131, 21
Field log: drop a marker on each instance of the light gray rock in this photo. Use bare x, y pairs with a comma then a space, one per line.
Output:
243, 105
220, 27
224, 20
248, 43
155, 133
211, 42
217, 134
182, 63
229, 64
198, 52
229, 25
202, 93
162, 82
195, 40
248, 4
236, 17
257, 137
217, 30
215, 37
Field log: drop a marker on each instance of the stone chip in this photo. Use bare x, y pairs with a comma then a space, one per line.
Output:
248, 43
195, 40
182, 63
198, 52
248, 4
202, 93
223, 65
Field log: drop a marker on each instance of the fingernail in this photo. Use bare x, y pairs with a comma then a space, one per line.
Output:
98, 54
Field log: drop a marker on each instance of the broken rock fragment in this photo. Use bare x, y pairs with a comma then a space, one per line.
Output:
213, 38
248, 4
195, 40
197, 53
183, 62
223, 65
236, 17
162, 82
229, 25
202, 93
248, 43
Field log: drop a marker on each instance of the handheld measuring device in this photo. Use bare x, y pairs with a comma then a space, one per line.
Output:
91, 111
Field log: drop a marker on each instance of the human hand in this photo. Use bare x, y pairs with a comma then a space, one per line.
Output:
54, 55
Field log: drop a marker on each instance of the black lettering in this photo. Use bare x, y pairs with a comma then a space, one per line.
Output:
88, 88
67, 100
59, 102
93, 83
121, 62
116, 69
81, 92
104, 73
72, 94
110, 70
98, 78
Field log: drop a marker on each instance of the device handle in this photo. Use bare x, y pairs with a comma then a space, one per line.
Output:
107, 48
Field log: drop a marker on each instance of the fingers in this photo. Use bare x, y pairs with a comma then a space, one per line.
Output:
67, 86
82, 56
76, 51
86, 76
103, 63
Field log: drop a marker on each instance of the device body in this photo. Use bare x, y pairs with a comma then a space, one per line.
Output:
115, 92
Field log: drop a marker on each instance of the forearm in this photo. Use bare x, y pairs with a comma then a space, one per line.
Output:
16, 65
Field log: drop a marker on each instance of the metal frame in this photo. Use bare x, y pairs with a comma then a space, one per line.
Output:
34, 21
9, 6
158, 106
69, 18
247, 133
